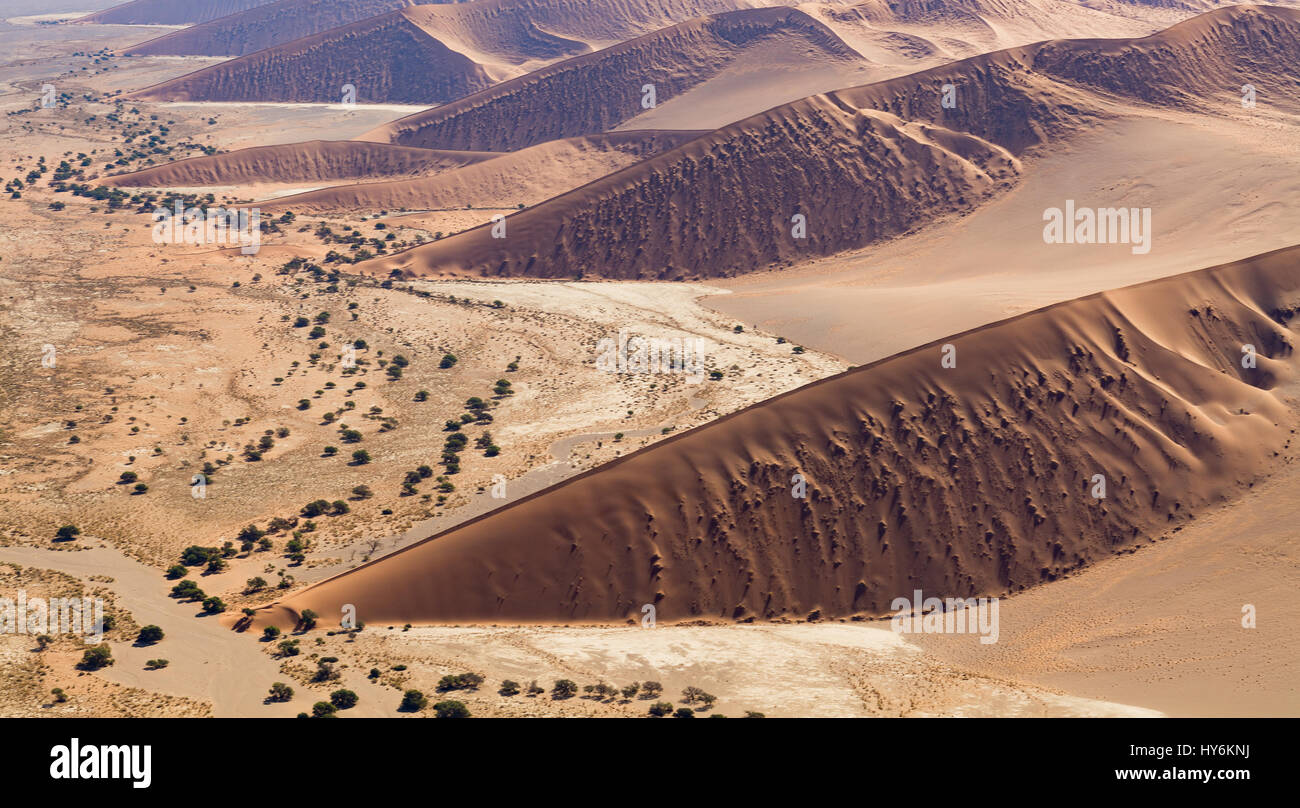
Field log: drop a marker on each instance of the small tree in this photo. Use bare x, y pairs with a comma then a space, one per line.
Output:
343, 699
412, 702
652, 689
187, 590
451, 709
214, 605
509, 688
150, 635
100, 656
564, 688
692, 694
280, 692
67, 533
660, 709
323, 709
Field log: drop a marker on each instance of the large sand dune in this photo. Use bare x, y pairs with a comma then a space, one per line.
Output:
264, 26
966, 480
317, 160
870, 162
386, 59
599, 91
418, 54
516, 30
170, 12
523, 177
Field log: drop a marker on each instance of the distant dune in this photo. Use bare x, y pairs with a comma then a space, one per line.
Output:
316, 160
264, 26
599, 91
386, 59
516, 30
170, 12
523, 177
866, 163
977, 479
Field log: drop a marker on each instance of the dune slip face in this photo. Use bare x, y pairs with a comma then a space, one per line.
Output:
981, 477
842, 170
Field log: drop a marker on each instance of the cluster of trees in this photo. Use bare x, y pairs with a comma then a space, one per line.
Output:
413, 701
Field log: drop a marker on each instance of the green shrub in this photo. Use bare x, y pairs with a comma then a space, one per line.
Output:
101, 656
150, 635
412, 701
451, 709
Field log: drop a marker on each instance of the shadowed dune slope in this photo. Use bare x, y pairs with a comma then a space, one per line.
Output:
869, 162
599, 91
297, 162
170, 12
970, 480
523, 177
513, 30
386, 59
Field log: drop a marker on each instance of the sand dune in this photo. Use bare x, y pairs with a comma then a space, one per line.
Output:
263, 27
599, 91
889, 155
170, 12
300, 162
433, 54
523, 177
888, 30
973, 479
513, 30
386, 59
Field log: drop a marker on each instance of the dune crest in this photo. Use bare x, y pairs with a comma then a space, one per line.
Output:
298, 162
